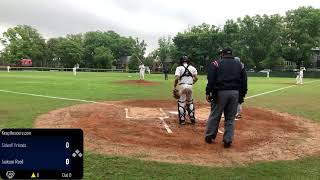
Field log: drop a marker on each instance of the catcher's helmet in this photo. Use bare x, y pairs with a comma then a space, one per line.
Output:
184, 59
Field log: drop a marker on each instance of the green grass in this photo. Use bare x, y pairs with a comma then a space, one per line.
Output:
19, 111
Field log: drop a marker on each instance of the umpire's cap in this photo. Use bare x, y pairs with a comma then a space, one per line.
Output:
227, 51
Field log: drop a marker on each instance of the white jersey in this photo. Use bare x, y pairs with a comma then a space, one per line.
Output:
142, 68
185, 77
301, 73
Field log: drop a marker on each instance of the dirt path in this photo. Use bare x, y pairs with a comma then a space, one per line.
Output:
261, 135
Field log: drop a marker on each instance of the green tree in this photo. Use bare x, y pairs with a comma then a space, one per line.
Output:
302, 32
24, 41
65, 52
53, 52
260, 40
134, 63
103, 57
119, 46
138, 54
200, 43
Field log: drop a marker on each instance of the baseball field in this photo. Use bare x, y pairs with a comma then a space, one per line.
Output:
131, 129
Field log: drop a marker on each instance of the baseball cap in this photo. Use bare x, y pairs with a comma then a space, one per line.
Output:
227, 51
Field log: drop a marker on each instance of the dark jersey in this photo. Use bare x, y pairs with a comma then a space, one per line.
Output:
226, 74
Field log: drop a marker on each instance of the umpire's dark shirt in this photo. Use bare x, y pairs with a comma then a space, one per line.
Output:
226, 74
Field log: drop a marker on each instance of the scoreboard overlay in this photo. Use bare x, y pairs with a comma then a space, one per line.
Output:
41, 154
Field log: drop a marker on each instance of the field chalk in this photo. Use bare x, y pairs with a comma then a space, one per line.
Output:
164, 113
165, 125
268, 92
127, 113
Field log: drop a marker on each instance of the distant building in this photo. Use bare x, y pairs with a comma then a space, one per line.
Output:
288, 65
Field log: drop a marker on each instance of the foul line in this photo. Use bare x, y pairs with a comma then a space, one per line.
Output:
268, 92
51, 97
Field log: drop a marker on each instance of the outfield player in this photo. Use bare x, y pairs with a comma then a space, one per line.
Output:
74, 69
299, 78
185, 78
8, 68
142, 71
148, 69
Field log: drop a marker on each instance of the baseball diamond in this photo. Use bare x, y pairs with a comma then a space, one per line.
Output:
146, 128
160, 89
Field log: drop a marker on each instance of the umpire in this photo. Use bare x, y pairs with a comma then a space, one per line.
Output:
227, 85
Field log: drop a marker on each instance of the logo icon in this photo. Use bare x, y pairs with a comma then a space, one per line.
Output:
10, 174
77, 153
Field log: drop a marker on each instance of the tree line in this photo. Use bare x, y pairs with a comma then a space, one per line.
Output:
260, 41
96, 49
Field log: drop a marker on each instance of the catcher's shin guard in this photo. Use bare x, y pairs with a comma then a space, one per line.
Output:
181, 112
191, 111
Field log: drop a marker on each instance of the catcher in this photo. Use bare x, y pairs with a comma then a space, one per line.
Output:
185, 77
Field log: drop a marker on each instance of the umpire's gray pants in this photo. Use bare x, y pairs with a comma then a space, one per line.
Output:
227, 102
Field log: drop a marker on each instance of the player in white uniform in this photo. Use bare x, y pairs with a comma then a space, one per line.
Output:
148, 69
74, 69
142, 71
186, 76
299, 77
8, 68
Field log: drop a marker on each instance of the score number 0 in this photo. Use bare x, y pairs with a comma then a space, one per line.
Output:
67, 160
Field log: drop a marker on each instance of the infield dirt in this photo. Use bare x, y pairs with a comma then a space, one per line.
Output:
135, 129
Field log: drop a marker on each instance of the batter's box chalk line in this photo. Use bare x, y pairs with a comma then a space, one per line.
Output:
165, 125
162, 119
164, 113
127, 113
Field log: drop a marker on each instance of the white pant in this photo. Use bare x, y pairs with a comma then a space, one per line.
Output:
299, 79
239, 109
185, 92
141, 74
185, 102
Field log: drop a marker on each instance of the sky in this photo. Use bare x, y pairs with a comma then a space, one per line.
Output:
146, 19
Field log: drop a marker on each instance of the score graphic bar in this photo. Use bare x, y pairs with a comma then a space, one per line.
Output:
41, 154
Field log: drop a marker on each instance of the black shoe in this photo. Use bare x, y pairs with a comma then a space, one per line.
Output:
193, 120
182, 122
227, 145
208, 139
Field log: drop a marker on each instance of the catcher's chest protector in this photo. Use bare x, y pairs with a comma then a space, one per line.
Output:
186, 72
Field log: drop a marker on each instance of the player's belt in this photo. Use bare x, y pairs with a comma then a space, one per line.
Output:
185, 83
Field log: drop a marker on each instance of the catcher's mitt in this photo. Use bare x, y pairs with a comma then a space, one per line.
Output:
175, 94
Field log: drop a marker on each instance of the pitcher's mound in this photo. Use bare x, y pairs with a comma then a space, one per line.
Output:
138, 82
148, 129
